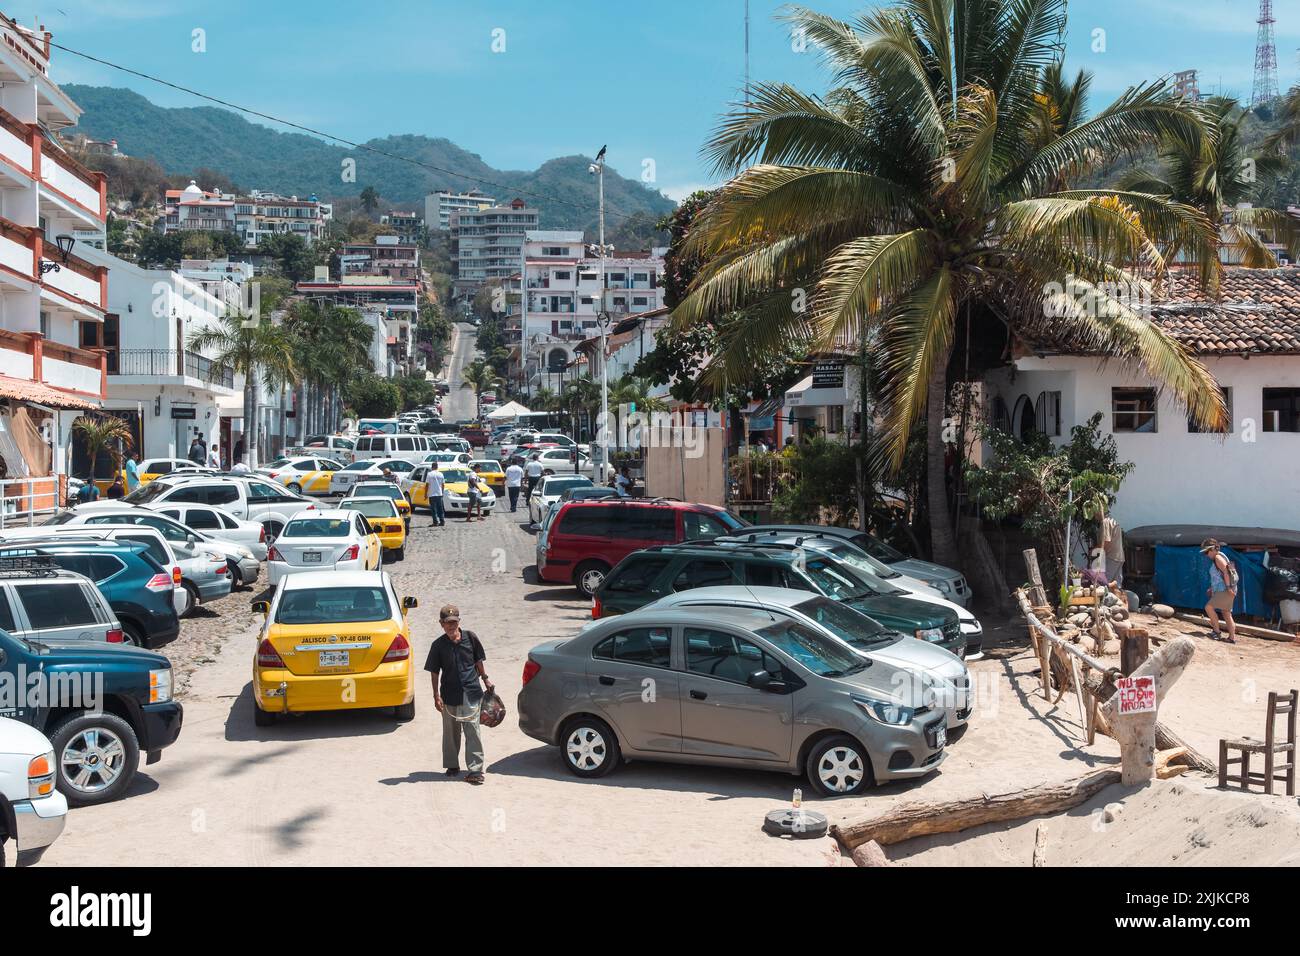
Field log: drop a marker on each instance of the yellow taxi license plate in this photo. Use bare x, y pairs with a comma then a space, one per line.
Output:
335, 658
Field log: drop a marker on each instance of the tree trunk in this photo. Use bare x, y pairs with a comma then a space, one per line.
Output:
250, 419
943, 543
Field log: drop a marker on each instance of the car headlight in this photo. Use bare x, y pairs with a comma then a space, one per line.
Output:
941, 585
885, 711
40, 776
972, 627
160, 685
932, 634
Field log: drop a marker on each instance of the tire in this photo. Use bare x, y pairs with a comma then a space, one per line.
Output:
262, 718
547, 473
193, 593
273, 529
589, 748
404, 712
236, 576
588, 576
133, 635
399, 554
839, 767
109, 756
295, 487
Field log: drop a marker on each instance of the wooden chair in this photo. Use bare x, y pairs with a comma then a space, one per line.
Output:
1270, 747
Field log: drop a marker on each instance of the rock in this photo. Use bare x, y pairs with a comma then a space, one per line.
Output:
1109, 600
1111, 812
870, 854
1080, 620
1162, 610
1119, 614
1112, 647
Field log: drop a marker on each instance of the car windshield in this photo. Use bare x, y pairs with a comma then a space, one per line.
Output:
557, 486
486, 466
845, 623
386, 490
317, 528
333, 606
855, 557
878, 549
730, 520
818, 653
360, 466
278, 463
838, 581
370, 507
455, 474
147, 493
386, 428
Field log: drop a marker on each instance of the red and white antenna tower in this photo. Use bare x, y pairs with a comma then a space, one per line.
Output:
1265, 57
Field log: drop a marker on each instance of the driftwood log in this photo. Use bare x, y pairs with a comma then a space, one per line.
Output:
1040, 844
1136, 733
925, 818
1250, 630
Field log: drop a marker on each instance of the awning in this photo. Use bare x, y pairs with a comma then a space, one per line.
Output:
38, 393
763, 416
802, 394
509, 410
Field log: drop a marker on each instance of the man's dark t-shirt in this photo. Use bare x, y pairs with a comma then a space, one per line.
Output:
454, 661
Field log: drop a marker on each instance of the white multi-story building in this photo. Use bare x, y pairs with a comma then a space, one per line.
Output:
52, 300
439, 206
408, 226
487, 244
397, 301
252, 217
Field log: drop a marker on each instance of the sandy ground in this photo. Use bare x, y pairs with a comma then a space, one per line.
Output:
358, 788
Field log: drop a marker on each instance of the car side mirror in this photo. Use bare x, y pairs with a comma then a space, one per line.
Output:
262, 607
759, 680
410, 602
192, 538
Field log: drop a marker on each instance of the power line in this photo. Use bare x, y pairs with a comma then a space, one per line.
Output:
328, 136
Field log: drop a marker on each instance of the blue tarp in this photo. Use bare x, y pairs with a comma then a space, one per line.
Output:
1183, 574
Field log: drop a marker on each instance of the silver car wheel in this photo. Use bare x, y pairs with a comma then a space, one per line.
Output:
586, 748
841, 769
92, 760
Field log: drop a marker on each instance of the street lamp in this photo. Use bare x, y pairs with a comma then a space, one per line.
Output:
65, 243
602, 320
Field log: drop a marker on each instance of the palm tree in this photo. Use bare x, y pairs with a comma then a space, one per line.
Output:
1214, 177
369, 200
252, 348
924, 189
103, 433
331, 346
480, 376
581, 398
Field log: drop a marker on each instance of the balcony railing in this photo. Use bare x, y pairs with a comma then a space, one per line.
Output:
167, 362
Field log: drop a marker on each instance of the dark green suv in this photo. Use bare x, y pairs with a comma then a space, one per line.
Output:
643, 577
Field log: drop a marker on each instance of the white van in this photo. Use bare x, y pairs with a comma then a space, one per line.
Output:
408, 447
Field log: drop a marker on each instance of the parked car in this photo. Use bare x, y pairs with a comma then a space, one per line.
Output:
548, 492
137, 588
842, 549
334, 447
559, 461
325, 627
384, 518
738, 688
490, 471
303, 475
645, 576
41, 601
928, 664
950, 583
368, 470
32, 811
445, 442
250, 498
150, 469
446, 458
456, 481
97, 737
409, 447
475, 435
315, 541
213, 522
587, 538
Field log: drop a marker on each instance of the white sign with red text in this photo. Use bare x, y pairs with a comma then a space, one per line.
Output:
1137, 695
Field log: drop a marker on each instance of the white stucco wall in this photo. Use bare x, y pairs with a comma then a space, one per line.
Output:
1247, 478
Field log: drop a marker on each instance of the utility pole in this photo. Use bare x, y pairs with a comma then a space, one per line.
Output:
602, 320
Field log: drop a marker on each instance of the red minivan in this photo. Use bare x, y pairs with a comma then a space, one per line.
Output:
586, 539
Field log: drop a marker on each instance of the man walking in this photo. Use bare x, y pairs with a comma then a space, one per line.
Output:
1112, 543
533, 474
514, 481
473, 498
132, 473
437, 487
456, 663
196, 452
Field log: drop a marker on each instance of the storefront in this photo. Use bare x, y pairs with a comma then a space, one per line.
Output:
823, 402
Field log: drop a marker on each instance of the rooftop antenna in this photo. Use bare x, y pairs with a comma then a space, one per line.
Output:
1265, 88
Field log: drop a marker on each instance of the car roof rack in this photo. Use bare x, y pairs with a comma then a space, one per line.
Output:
38, 565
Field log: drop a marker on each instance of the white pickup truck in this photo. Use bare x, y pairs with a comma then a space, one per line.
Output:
32, 810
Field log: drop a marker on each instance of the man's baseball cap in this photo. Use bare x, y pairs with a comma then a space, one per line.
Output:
449, 612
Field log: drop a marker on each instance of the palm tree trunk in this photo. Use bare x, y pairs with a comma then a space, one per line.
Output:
250, 419
943, 543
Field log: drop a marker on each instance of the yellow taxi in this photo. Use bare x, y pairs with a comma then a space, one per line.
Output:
491, 472
456, 493
384, 518
334, 640
384, 489
303, 475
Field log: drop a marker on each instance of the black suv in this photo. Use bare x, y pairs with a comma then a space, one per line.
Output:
645, 576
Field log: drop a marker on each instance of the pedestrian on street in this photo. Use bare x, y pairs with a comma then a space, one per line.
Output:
117, 489
514, 481
132, 473
474, 498
533, 474
214, 458
437, 487
623, 483
388, 474
1222, 592
1112, 543
196, 452
456, 663
88, 491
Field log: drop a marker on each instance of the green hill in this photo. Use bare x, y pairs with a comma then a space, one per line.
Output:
185, 139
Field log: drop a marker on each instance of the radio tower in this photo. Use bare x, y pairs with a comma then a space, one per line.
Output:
1265, 58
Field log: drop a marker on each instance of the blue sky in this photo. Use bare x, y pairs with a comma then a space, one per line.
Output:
649, 79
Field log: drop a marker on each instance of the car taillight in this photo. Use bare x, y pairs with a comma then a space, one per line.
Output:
176, 574
595, 608
399, 650
273, 554
351, 553
115, 636
160, 582
40, 776
531, 669
223, 569
267, 655
273, 474
261, 535
309, 508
